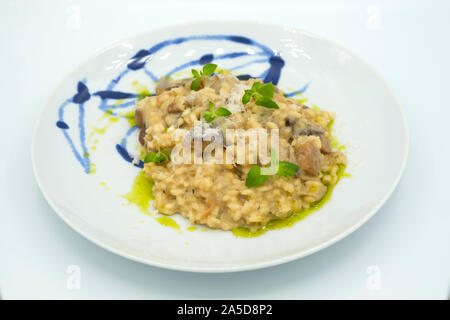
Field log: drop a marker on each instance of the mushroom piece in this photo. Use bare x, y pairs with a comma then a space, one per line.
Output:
308, 130
175, 107
300, 129
139, 118
166, 83
290, 122
142, 136
326, 144
308, 155
215, 82
237, 169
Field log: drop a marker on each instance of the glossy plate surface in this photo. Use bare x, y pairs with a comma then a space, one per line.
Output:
85, 141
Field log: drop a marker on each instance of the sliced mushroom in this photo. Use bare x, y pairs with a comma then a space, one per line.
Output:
166, 83
237, 169
304, 106
308, 156
290, 122
175, 107
326, 144
215, 82
142, 136
308, 130
138, 118
312, 130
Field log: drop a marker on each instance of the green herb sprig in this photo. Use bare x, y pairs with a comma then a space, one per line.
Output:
210, 115
262, 93
285, 169
255, 178
157, 157
208, 69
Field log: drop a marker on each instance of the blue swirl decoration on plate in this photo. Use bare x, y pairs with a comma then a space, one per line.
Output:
141, 62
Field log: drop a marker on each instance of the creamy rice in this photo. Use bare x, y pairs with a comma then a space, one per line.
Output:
215, 194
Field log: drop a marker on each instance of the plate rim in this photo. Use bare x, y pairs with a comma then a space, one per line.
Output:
244, 267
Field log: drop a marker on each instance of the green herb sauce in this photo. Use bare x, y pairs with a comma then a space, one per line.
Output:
293, 218
140, 195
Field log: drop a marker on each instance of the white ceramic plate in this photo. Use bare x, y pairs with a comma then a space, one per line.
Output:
79, 168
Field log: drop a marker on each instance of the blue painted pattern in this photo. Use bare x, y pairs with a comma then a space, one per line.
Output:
142, 61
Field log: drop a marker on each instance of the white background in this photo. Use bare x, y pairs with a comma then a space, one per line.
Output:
408, 240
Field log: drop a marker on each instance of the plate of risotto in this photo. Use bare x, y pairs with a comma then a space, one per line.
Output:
219, 146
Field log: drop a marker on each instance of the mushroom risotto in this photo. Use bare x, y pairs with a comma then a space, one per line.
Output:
235, 194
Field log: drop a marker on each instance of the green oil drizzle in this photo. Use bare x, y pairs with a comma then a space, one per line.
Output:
293, 218
129, 116
335, 144
140, 195
104, 185
168, 222
142, 90
191, 228
96, 130
108, 118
